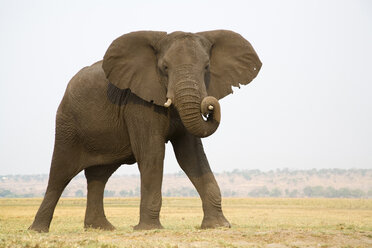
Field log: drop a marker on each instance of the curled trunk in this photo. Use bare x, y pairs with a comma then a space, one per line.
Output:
192, 108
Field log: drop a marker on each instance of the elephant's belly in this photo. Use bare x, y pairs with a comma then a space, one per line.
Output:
106, 140
106, 148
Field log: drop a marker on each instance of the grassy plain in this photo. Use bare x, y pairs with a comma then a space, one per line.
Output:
264, 222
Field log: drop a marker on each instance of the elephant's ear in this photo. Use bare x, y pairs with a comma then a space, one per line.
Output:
233, 61
130, 63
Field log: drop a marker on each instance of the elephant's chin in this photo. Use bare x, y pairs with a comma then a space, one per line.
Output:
201, 117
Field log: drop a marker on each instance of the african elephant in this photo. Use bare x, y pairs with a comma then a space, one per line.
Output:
150, 88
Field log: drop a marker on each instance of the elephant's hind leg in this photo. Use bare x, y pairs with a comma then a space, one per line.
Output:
97, 177
62, 170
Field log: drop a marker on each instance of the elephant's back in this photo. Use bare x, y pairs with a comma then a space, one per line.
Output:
90, 77
86, 93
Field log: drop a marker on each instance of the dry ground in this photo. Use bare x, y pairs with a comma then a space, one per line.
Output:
267, 222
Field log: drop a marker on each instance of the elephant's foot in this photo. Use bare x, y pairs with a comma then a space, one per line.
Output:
215, 222
39, 228
99, 223
148, 225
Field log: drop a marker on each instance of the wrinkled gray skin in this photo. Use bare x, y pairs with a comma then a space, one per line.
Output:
113, 113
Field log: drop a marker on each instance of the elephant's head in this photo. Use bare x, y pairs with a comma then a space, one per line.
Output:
191, 71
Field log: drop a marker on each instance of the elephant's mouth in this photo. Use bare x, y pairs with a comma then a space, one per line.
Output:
207, 117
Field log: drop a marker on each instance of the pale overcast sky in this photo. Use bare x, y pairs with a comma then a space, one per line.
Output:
309, 107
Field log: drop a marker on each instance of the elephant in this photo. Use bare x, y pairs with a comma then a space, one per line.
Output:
151, 87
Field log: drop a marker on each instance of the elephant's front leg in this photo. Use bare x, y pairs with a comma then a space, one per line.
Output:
151, 179
191, 157
147, 125
150, 156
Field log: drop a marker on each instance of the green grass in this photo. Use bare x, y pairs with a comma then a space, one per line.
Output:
255, 223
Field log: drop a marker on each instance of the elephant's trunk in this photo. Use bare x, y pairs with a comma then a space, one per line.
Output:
192, 108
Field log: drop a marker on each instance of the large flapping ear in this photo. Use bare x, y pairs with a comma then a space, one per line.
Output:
233, 61
130, 63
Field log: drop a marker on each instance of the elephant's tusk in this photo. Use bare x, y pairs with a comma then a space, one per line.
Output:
210, 107
168, 103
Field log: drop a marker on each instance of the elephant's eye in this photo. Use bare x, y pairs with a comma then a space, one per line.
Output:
206, 67
165, 69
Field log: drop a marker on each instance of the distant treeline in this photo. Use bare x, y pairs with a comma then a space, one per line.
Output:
181, 192
314, 191
247, 174
278, 183
323, 173
5, 193
24, 178
309, 191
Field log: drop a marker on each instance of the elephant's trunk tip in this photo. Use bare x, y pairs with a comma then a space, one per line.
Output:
210, 105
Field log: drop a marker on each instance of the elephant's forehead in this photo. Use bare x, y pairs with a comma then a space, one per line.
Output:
184, 50
183, 47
